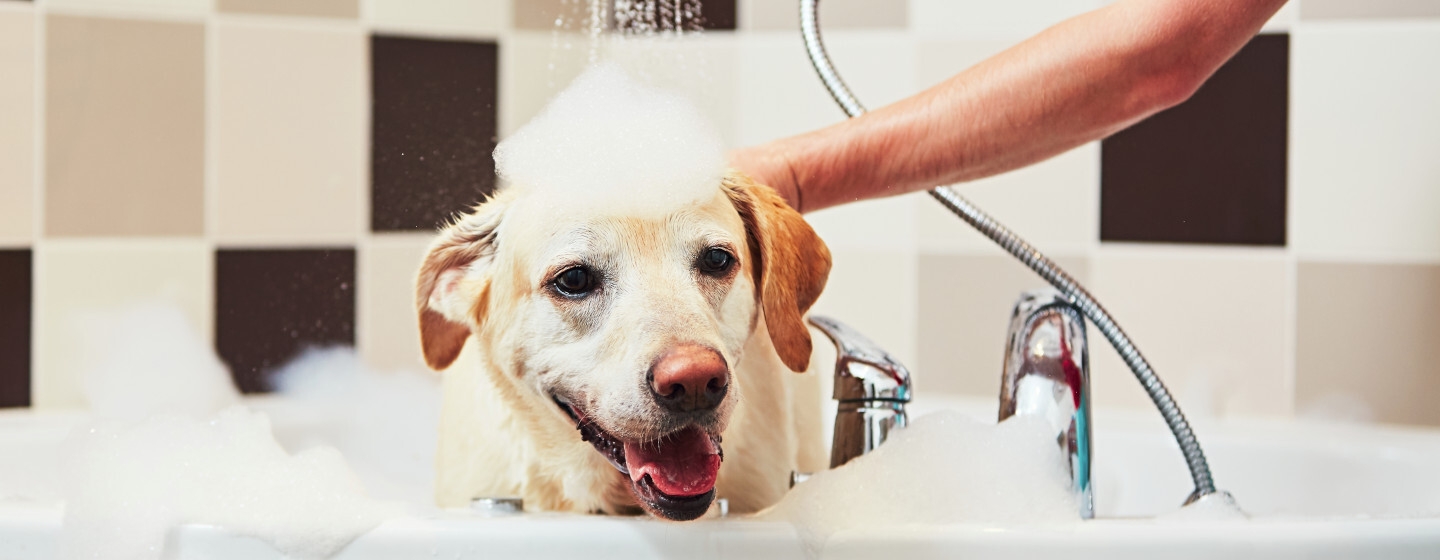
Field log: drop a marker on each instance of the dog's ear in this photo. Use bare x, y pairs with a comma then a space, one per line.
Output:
790, 264
464, 251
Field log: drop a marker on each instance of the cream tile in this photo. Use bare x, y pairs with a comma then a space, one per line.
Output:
17, 127
874, 292
1366, 340
886, 224
320, 8
1364, 179
977, 19
534, 66
290, 134
469, 18
1211, 322
549, 15
779, 94
386, 326
78, 277
966, 307
1371, 9
1054, 205
159, 7
834, 14
124, 129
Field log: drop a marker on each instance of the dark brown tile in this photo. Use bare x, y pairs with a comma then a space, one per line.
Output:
272, 303
15, 291
1211, 170
718, 14
433, 129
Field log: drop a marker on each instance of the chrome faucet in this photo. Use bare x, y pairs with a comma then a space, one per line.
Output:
871, 388
1047, 375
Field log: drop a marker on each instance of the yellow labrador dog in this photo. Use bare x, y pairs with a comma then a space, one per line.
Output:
626, 362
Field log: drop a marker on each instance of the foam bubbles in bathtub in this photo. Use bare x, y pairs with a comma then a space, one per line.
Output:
609, 141
127, 485
945, 468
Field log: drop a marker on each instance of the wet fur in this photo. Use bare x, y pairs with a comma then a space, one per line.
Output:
500, 433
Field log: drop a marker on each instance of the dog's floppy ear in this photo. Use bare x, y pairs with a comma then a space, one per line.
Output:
464, 248
790, 263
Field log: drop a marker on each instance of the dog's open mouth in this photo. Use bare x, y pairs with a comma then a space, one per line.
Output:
672, 477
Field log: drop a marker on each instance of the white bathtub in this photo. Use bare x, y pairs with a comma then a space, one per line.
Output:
1315, 491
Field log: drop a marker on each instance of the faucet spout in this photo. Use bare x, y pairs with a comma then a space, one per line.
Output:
871, 387
1047, 375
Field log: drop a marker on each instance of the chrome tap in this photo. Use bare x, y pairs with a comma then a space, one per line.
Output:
1047, 374
871, 388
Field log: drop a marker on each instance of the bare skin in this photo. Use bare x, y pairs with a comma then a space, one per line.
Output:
1081, 80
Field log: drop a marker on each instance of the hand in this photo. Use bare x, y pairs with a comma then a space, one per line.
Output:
769, 164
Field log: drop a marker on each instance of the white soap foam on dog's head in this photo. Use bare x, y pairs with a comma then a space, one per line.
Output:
608, 141
945, 468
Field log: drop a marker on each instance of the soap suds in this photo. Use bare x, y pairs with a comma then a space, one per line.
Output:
127, 485
159, 452
945, 468
609, 141
385, 424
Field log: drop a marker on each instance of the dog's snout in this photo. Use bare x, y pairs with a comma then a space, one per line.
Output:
690, 378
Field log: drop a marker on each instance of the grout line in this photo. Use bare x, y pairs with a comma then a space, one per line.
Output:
37, 255
211, 184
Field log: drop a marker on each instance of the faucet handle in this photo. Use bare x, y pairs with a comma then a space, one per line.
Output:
863, 371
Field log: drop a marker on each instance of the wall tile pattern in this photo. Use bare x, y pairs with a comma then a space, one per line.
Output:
214, 153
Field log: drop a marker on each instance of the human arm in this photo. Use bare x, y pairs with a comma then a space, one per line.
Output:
1081, 80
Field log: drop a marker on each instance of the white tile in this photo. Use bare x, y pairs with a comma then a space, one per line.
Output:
78, 277
17, 127
1212, 323
834, 14
874, 292
290, 134
779, 94
387, 331
469, 18
1364, 176
1013, 20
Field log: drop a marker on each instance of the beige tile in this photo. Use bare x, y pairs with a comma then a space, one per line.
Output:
17, 127
549, 15
834, 14
1013, 21
290, 134
1364, 179
124, 130
386, 326
966, 307
1367, 333
1211, 322
79, 277
1370, 9
874, 292
468, 18
886, 224
320, 8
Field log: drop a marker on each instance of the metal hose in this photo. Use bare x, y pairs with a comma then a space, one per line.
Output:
1042, 265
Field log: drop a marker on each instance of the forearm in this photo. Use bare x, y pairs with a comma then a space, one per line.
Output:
1079, 81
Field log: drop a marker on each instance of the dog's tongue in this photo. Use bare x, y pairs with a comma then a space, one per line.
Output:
682, 464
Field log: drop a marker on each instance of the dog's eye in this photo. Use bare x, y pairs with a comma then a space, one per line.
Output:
716, 261
575, 282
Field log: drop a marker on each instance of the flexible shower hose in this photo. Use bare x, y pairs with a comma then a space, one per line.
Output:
1042, 265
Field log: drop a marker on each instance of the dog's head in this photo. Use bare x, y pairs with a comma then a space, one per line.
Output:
628, 324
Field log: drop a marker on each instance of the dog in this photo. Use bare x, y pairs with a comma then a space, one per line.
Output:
626, 363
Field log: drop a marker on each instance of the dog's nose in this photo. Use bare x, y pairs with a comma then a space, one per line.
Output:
689, 378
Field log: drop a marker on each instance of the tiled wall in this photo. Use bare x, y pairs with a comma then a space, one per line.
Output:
274, 167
